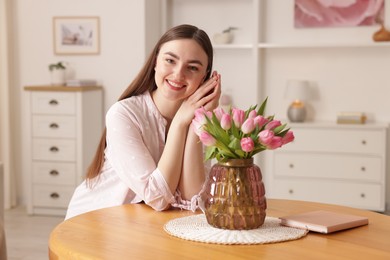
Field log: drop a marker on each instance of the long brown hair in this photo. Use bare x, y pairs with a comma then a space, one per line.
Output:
144, 81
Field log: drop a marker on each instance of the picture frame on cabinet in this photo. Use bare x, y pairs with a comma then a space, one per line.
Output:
75, 35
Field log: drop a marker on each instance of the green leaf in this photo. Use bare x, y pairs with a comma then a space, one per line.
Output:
278, 129
262, 107
240, 153
283, 133
210, 152
235, 144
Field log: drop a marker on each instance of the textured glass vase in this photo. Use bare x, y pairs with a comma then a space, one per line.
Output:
234, 195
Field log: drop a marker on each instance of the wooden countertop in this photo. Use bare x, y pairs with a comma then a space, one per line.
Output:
136, 232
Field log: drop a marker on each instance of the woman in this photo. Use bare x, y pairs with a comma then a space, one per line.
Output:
148, 151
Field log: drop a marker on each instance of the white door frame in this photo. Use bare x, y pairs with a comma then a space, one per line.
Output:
5, 109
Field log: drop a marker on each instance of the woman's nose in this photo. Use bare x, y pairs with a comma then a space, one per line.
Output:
179, 72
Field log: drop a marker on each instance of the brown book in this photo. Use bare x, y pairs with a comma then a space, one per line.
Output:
323, 221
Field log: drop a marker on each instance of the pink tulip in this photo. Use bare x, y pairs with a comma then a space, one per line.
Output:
266, 136
273, 124
276, 142
219, 112
260, 121
238, 117
252, 114
198, 127
247, 144
226, 121
207, 139
288, 137
248, 126
200, 115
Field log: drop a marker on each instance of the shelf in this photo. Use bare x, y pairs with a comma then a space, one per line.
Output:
232, 46
323, 45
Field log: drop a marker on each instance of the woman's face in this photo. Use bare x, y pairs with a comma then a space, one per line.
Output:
180, 68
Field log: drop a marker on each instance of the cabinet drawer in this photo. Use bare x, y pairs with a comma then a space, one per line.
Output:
51, 103
54, 173
54, 150
52, 195
54, 126
361, 141
317, 165
360, 195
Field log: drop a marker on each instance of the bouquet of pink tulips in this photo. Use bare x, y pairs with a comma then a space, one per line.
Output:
239, 134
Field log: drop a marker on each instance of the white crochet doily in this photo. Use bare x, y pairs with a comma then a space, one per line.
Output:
196, 228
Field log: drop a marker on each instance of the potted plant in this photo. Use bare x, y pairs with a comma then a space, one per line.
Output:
233, 196
225, 37
57, 73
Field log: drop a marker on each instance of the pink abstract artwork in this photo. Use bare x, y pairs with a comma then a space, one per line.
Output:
337, 13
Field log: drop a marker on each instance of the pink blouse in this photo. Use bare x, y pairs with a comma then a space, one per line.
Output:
135, 141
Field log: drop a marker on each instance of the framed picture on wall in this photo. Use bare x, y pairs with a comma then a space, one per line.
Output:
76, 35
318, 13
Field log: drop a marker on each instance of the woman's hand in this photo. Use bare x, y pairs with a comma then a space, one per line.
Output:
212, 97
207, 95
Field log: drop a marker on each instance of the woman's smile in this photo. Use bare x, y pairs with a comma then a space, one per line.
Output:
175, 85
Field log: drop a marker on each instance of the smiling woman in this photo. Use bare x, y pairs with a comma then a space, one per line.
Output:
147, 152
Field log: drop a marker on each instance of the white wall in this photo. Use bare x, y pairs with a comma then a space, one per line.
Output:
123, 46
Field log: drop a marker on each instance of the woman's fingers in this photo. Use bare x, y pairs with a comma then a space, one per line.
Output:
208, 86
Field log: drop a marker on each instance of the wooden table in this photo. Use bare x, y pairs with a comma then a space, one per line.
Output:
136, 232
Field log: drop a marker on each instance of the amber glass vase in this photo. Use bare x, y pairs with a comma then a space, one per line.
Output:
234, 195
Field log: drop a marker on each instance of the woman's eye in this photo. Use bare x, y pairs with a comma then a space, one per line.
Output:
169, 60
193, 68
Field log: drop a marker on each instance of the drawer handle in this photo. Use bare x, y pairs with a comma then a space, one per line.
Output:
53, 102
54, 125
54, 195
54, 149
291, 191
54, 173
362, 195
291, 166
363, 169
364, 142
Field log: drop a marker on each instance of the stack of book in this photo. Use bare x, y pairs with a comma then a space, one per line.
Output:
80, 82
351, 118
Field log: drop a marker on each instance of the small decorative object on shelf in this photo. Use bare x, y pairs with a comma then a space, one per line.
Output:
225, 37
382, 35
351, 118
233, 196
80, 82
57, 73
298, 91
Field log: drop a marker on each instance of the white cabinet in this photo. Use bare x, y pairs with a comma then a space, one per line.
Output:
330, 163
66, 124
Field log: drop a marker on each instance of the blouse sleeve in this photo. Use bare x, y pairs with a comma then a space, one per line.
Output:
131, 159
